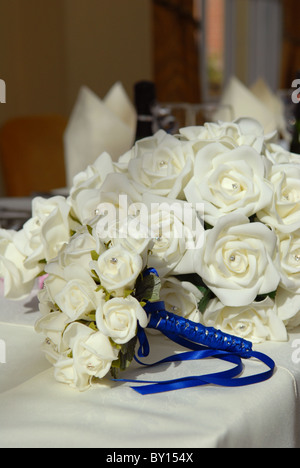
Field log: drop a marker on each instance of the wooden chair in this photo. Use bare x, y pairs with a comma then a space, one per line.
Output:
32, 154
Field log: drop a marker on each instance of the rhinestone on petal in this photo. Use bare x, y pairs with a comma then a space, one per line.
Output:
114, 261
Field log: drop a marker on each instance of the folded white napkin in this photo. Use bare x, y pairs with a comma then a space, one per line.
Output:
96, 126
272, 102
257, 102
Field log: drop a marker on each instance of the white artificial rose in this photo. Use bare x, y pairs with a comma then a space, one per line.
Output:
131, 233
161, 164
243, 131
87, 203
54, 220
73, 290
181, 298
289, 260
18, 277
94, 175
47, 231
116, 206
76, 299
118, 318
64, 371
256, 322
237, 260
84, 204
228, 180
52, 326
283, 212
92, 354
276, 154
118, 269
177, 233
84, 194
78, 250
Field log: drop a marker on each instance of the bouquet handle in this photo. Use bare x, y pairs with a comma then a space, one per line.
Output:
201, 342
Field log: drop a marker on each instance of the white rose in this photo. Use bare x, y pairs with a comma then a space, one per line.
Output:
76, 299
94, 175
256, 322
181, 298
229, 180
52, 326
130, 233
115, 208
47, 231
84, 194
177, 233
118, 318
73, 289
84, 204
118, 269
19, 278
87, 203
64, 372
237, 260
78, 250
92, 354
276, 154
283, 212
161, 164
289, 260
243, 131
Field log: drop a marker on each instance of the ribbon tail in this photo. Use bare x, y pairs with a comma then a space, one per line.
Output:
218, 378
224, 379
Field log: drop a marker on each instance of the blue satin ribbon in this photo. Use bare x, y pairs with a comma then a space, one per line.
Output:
202, 343
228, 378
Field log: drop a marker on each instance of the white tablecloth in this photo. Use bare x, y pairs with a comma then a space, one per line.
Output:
36, 411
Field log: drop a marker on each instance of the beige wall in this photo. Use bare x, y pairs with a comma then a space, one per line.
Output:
107, 41
242, 31
49, 49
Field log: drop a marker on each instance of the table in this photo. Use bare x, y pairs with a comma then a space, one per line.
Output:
38, 412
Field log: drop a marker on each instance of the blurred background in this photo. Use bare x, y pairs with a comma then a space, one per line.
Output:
188, 48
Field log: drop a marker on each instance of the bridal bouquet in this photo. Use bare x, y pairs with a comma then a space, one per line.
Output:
207, 221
